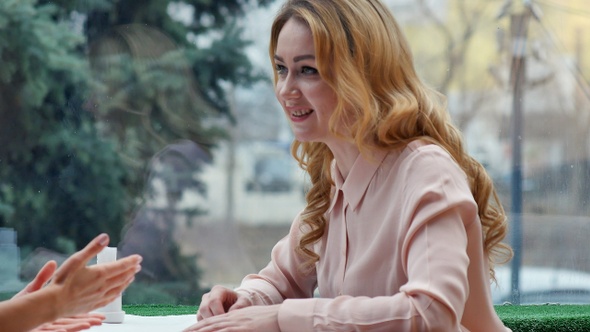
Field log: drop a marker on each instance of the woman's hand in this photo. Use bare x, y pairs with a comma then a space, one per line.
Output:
221, 300
72, 324
253, 318
80, 289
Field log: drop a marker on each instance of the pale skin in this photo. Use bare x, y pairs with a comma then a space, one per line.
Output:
308, 102
70, 292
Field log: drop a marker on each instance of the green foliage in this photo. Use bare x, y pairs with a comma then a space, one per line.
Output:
90, 91
37, 64
70, 184
153, 84
140, 293
60, 179
175, 293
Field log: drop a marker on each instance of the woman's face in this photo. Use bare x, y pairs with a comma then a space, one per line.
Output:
308, 101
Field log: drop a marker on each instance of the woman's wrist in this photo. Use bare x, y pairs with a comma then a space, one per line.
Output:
50, 300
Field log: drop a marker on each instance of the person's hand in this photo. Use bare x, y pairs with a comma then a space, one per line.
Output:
221, 300
80, 289
253, 318
40, 279
72, 324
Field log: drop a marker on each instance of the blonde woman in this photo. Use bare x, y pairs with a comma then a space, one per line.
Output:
401, 227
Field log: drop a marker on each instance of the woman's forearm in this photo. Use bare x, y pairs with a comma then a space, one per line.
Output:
26, 312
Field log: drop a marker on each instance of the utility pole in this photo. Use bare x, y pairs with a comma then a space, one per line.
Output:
581, 154
519, 23
519, 28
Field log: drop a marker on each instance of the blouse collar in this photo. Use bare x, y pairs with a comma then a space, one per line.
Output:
354, 187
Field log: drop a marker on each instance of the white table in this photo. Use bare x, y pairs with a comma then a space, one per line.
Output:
134, 323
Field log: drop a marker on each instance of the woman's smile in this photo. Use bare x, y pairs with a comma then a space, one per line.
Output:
299, 115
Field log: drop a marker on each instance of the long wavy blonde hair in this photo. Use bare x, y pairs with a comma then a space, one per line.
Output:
382, 104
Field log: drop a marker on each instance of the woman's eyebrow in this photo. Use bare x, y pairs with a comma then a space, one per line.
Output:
297, 58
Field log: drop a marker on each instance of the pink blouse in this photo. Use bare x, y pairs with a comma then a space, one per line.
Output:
402, 252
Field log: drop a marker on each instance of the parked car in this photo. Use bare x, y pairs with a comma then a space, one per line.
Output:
541, 285
272, 174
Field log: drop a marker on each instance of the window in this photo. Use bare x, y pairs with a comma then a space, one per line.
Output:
159, 126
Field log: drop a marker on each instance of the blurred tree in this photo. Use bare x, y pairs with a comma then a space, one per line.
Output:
476, 74
458, 30
61, 182
91, 90
161, 69
161, 66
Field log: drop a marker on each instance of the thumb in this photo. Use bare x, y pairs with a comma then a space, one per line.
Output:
42, 276
82, 257
242, 302
40, 279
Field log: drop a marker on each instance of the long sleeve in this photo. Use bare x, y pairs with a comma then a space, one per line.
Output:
283, 277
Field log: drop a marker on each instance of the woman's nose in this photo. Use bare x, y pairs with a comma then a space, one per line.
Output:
289, 89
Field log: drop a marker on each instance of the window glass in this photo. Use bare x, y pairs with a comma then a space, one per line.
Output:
156, 122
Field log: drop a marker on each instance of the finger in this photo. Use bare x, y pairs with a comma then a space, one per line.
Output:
220, 299
204, 313
114, 292
73, 323
74, 326
80, 325
195, 327
203, 307
77, 327
115, 274
200, 314
68, 323
82, 257
110, 294
65, 325
40, 279
190, 328
48, 328
43, 276
82, 318
213, 324
242, 302
216, 307
119, 269
94, 315
129, 262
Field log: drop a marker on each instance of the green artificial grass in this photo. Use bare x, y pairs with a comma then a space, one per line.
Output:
550, 317
530, 318
160, 309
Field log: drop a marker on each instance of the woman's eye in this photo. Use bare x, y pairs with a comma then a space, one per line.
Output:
309, 70
281, 70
